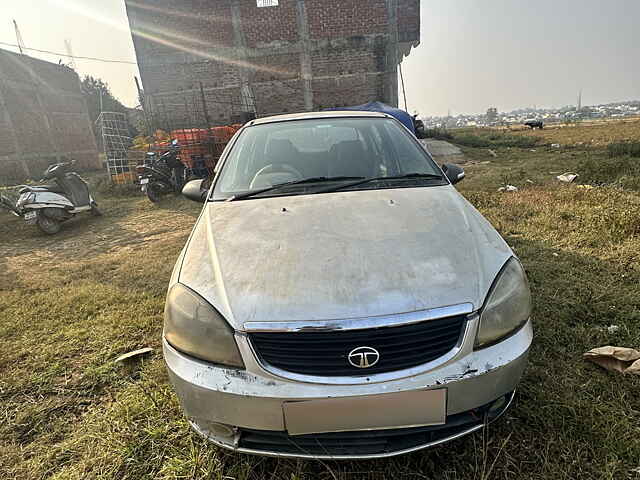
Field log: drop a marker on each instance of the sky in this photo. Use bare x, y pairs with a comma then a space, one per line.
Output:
473, 54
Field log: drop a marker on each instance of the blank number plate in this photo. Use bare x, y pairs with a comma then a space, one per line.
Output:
377, 412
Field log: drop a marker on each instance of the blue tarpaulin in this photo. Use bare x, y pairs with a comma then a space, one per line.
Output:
401, 115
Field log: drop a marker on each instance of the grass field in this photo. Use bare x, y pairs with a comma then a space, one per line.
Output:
71, 304
589, 134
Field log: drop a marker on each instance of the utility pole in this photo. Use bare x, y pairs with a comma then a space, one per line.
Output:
404, 93
72, 61
21, 46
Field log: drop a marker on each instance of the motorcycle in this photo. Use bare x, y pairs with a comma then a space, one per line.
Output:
47, 206
161, 175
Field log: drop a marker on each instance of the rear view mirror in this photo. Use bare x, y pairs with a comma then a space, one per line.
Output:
193, 191
453, 172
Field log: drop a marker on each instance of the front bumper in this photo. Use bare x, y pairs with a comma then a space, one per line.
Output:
229, 405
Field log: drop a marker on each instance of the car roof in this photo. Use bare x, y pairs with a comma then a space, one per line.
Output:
315, 115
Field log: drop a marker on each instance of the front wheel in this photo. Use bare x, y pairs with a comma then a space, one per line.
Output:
48, 225
94, 210
155, 191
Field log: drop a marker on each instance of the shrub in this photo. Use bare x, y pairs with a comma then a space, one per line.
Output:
438, 133
622, 171
495, 140
620, 149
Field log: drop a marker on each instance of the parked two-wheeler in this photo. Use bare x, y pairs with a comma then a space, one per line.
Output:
47, 206
162, 174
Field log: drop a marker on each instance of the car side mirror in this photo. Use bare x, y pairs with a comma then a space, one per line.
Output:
453, 172
193, 191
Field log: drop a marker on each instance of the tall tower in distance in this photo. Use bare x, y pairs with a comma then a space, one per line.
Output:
579, 107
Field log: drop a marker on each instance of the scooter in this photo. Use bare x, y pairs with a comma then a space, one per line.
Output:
162, 175
47, 206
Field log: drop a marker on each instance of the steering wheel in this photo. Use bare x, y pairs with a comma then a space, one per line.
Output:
275, 168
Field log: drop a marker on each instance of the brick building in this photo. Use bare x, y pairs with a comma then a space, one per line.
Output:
267, 56
43, 118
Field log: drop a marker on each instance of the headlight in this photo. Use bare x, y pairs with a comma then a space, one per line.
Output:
194, 327
508, 305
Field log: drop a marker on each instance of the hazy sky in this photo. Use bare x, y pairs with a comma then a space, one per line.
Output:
474, 54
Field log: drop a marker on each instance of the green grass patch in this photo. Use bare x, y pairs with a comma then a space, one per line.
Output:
493, 139
438, 133
620, 149
622, 172
71, 304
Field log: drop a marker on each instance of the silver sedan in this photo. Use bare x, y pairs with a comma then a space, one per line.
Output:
338, 298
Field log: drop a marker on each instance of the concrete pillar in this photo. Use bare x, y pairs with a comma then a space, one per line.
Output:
391, 73
246, 91
305, 55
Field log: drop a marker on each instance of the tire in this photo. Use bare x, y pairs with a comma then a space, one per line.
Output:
94, 211
48, 225
155, 191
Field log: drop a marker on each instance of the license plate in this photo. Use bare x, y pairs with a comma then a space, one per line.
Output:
144, 181
417, 408
30, 216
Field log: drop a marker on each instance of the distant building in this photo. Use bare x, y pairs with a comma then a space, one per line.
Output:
43, 117
262, 57
492, 115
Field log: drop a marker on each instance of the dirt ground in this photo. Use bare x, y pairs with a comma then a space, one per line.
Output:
129, 225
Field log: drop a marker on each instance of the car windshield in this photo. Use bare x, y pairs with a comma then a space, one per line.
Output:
316, 155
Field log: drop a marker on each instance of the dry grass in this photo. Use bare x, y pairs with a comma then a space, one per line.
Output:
594, 134
72, 303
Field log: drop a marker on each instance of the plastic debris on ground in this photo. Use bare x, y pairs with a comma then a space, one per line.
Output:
492, 153
567, 177
134, 354
508, 188
555, 145
586, 187
615, 359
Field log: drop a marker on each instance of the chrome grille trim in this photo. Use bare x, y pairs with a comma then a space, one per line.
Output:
360, 323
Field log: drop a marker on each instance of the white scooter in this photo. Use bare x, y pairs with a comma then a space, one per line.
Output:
47, 206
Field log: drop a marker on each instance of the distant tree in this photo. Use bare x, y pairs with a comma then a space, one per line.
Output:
92, 89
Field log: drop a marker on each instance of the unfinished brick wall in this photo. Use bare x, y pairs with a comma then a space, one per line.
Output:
347, 18
262, 26
298, 56
43, 118
408, 20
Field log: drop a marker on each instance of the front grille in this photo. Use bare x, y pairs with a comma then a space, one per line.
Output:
326, 353
367, 442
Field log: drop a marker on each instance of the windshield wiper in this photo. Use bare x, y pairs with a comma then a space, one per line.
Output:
252, 193
374, 179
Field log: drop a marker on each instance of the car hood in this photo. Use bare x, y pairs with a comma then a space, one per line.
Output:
342, 255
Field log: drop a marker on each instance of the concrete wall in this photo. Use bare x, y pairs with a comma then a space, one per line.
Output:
43, 118
300, 55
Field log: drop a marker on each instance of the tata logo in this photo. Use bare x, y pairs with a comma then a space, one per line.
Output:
363, 357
